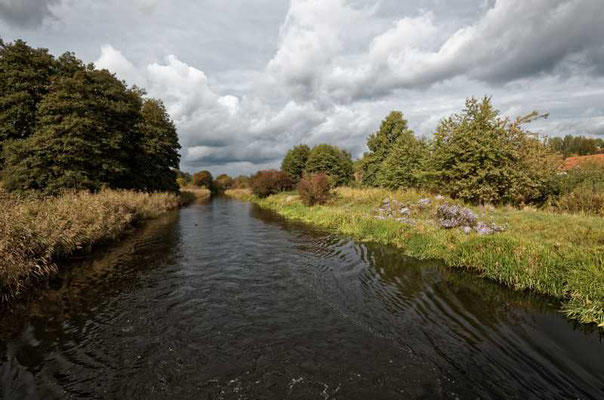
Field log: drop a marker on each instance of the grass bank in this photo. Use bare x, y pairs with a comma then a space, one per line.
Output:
36, 232
560, 255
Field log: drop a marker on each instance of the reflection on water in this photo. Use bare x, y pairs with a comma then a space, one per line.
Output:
226, 300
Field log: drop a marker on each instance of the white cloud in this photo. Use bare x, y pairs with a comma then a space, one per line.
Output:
339, 67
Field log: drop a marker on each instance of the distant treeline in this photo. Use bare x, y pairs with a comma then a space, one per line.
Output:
67, 125
476, 155
576, 145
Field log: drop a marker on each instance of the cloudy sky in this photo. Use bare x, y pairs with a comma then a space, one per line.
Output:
244, 80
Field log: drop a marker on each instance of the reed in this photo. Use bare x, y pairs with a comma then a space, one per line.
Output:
36, 232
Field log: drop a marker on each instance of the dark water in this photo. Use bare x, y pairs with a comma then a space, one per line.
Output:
224, 300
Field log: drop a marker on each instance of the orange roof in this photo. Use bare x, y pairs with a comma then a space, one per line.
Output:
572, 162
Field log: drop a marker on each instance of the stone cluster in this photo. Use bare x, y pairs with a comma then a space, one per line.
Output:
453, 216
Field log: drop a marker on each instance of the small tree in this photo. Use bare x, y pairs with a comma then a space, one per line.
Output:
483, 158
203, 179
267, 182
406, 163
223, 182
241, 182
328, 159
314, 189
294, 162
380, 144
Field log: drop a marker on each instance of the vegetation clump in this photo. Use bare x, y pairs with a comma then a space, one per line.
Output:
314, 189
294, 162
267, 182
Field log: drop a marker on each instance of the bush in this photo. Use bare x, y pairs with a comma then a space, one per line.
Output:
267, 182
203, 179
331, 160
241, 182
481, 157
314, 189
223, 182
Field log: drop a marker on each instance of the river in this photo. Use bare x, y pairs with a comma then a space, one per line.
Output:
224, 300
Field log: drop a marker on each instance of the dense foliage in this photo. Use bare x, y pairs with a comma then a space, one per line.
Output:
481, 157
267, 182
314, 189
381, 144
334, 162
223, 182
294, 162
203, 179
65, 125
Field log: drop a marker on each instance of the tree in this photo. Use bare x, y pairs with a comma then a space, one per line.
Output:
24, 79
159, 157
241, 182
223, 182
482, 158
406, 164
203, 179
380, 145
331, 160
86, 136
294, 162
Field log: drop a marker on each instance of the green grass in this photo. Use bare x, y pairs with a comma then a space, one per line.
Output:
36, 232
560, 255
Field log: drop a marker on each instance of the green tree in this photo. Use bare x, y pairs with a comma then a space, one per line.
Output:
481, 157
294, 162
203, 179
25, 75
86, 136
159, 157
380, 145
406, 164
331, 160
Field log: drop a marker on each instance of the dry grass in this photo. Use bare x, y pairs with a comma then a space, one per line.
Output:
34, 233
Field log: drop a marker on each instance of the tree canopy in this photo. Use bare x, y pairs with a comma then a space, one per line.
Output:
294, 162
66, 125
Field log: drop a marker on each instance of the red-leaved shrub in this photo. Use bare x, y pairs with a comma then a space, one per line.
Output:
314, 189
270, 181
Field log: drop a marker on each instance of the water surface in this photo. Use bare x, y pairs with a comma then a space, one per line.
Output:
224, 300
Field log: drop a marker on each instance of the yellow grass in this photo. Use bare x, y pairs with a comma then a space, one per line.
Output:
34, 233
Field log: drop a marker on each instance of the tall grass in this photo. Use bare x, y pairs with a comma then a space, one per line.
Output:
35, 232
557, 254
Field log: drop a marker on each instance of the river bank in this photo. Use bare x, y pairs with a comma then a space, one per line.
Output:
560, 255
36, 232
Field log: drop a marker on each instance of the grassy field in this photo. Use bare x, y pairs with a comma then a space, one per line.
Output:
561, 255
36, 232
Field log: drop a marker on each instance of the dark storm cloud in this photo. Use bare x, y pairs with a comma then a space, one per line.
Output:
25, 13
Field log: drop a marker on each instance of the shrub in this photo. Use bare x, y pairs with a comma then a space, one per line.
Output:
267, 182
586, 197
223, 182
241, 182
203, 179
481, 157
314, 189
295, 161
331, 160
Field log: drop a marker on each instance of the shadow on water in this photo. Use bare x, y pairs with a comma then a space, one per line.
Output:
227, 300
